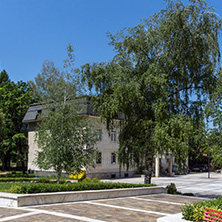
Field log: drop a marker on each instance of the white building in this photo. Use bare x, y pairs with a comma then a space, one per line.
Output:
107, 145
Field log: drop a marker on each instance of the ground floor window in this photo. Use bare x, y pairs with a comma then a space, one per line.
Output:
99, 158
113, 158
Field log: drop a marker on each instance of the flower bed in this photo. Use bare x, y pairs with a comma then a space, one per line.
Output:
195, 211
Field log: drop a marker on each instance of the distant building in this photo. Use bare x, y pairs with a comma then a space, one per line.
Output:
106, 163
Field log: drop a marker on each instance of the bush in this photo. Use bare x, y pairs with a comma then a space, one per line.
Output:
87, 179
171, 189
80, 175
95, 180
195, 211
17, 175
44, 187
31, 180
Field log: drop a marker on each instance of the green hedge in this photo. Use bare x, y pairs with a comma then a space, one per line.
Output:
44, 187
17, 175
195, 211
34, 180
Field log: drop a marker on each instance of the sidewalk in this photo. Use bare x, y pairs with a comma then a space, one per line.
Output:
197, 183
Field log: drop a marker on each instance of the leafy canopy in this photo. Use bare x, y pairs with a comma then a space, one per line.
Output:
162, 73
66, 139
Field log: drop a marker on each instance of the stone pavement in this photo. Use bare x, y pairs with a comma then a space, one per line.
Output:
149, 208
197, 183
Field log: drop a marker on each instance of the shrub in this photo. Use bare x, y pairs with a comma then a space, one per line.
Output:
80, 175
44, 187
87, 179
171, 189
17, 175
195, 211
95, 180
31, 180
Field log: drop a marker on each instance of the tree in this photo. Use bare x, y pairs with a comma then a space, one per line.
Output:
163, 71
66, 139
214, 126
15, 99
3, 133
4, 77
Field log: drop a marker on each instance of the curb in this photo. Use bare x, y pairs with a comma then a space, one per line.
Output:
19, 200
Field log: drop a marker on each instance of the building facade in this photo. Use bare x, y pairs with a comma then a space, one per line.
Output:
107, 145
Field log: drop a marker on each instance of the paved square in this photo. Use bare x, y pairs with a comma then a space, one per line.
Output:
140, 208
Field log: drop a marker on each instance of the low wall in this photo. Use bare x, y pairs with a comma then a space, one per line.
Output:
19, 200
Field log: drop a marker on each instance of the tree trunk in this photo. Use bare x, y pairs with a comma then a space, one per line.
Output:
58, 177
3, 162
7, 162
148, 169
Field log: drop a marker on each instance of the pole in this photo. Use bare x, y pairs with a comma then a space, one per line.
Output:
208, 164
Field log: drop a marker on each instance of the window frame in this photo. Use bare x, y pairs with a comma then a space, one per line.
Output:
113, 158
99, 158
113, 136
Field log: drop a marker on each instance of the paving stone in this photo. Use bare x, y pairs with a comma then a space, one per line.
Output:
43, 218
139, 208
144, 205
6, 212
172, 198
101, 212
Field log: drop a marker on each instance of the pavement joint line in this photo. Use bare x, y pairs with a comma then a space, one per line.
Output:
191, 197
71, 202
159, 201
15, 217
127, 208
64, 215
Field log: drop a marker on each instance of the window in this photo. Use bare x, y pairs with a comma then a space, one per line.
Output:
99, 135
113, 158
99, 158
113, 136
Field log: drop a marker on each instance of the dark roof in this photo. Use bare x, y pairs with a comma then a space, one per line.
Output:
32, 113
84, 105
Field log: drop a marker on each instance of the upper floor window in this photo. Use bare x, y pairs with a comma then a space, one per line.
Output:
99, 135
113, 136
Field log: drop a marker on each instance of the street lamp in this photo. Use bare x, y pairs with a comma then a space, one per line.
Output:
208, 163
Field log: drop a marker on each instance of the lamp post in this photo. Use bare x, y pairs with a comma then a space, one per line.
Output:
208, 157
208, 164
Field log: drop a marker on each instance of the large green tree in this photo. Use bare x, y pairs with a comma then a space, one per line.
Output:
163, 71
15, 99
213, 133
65, 138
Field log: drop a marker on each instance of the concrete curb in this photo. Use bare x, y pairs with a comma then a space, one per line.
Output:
172, 218
19, 200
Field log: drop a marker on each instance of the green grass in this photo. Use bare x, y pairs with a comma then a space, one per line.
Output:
4, 187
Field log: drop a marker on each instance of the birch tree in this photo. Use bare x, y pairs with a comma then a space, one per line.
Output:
66, 139
160, 77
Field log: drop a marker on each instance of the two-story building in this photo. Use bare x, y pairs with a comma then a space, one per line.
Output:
107, 145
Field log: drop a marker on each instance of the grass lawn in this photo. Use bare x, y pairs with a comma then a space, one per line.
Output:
4, 187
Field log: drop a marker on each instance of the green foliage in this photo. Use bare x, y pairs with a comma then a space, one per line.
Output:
95, 180
87, 179
43, 188
4, 77
159, 79
17, 175
171, 189
195, 211
66, 139
14, 102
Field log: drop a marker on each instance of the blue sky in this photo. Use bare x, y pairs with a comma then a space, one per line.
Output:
35, 30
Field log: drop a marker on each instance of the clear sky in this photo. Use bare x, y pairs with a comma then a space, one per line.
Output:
35, 30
